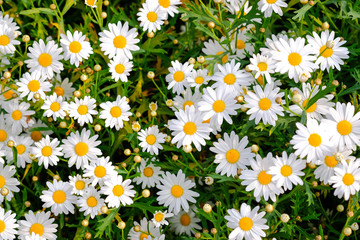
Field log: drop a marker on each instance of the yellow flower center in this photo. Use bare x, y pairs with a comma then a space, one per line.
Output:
80, 185
36, 136
224, 58
262, 66
90, 2
185, 219
314, 140
3, 135
2, 181
159, 217
81, 149
34, 85
118, 190
91, 201
232, 156
55, 106
119, 41
45, 59
143, 236
348, 179
230, 79
219, 106
199, 80
75, 47
82, 109
311, 108
264, 178
246, 223
2, 226
271, 1
294, 59
344, 127
148, 172
4, 40
240, 44
59, 91
119, 68
8, 94
151, 139
190, 128
100, 171
177, 191
286, 170
330, 161
152, 16
264, 104
179, 76
164, 3
16, 115
115, 112
326, 53
59, 196
46, 151
20, 149
37, 228
188, 103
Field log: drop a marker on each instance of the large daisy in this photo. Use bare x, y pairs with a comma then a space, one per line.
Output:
118, 191
18, 114
151, 16
115, 113
83, 109
7, 224
151, 139
40, 224
177, 76
47, 151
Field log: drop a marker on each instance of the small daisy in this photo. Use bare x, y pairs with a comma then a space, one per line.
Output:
214, 48
263, 66
47, 151
177, 76
31, 84
198, 78
175, 192
63, 88
120, 68
17, 115
286, 171
231, 78
7, 224
312, 141
247, 223
79, 184
40, 224
119, 40
5, 130
242, 45
99, 170
231, 154
8, 181
81, 148
75, 47
258, 179
189, 128
82, 109
151, 16
55, 107
346, 179
159, 218
148, 231
344, 125
91, 3
115, 113
35, 133
150, 139
270, 6
90, 202
7, 40
262, 104
23, 145
331, 56
58, 197
150, 175
170, 6
118, 191
185, 222
188, 99
45, 58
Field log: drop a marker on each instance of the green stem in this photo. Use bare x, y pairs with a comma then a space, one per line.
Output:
196, 162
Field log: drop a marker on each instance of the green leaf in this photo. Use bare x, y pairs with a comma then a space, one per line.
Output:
309, 194
301, 12
67, 6
33, 11
106, 223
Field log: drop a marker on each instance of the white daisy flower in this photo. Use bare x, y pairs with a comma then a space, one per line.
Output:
81, 148
148, 231
258, 179
63, 88
198, 78
159, 218
317, 110
188, 99
115, 113
8, 21
7, 224
36, 134
90, 202
170, 6
328, 56
231, 154
40, 224
99, 170
55, 107
271, 47
151, 16
312, 141
58, 197
47, 151
185, 222
188, 128
8, 181
286, 171
263, 66
45, 58
150, 175
175, 192
75, 47
262, 104
120, 68
119, 40
346, 179
31, 84
177, 76
214, 48
91, 3
270, 6
5, 130
17, 115
79, 184
7, 40
150, 139
231, 78
247, 223
23, 145
294, 57
344, 125
118, 191
7, 94
242, 45
82, 109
